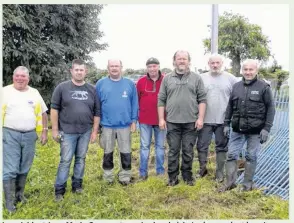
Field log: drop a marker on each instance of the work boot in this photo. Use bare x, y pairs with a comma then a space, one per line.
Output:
231, 176
220, 163
20, 186
250, 167
172, 182
190, 182
202, 157
9, 193
58, 197
76, 185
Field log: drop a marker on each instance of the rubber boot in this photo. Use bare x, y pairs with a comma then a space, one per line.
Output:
250, 168
231, 176
9, 193
220, 164
20, 186
202, 157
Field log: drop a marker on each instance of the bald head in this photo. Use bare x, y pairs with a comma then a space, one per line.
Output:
114, 68
111, 61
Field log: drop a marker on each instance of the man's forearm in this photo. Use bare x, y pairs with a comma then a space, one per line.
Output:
54, 118
160, 112
45, 121
96, 124
201, 108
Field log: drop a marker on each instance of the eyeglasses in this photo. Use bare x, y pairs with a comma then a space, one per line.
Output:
153, 88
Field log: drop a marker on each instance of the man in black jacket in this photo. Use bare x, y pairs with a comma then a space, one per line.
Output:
251, 109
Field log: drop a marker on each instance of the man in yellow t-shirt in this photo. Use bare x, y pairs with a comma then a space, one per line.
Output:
23, 114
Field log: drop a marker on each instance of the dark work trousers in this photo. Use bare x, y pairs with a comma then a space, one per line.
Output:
205, 136
180, 135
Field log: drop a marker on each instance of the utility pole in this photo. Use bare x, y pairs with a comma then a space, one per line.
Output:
214, 29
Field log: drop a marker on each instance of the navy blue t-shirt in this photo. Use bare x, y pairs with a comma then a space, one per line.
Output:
77, 106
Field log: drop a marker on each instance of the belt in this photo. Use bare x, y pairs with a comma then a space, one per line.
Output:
15, 130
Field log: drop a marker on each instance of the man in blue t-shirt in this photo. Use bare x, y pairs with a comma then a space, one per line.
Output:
119, 114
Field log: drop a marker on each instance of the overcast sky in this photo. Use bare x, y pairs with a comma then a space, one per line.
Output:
136, 32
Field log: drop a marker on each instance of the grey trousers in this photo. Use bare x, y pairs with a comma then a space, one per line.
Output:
107, 142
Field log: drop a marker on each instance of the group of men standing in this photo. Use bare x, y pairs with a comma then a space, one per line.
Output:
181, 107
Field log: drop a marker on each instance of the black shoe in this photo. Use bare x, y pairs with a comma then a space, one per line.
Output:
20, 198
124, 183
190, 182
58, 197
173, 182
202, 173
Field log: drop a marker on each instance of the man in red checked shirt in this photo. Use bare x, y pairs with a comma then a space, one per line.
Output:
148, 88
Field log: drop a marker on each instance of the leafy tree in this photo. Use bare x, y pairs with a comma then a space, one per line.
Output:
140, 71
129, 71
46, 38
238, 39
281, 75
95, 74
166, 70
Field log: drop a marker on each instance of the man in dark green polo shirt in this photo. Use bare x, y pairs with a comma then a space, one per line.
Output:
182, 95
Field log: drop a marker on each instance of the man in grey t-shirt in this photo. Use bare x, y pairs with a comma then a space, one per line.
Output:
218, 85
75, 117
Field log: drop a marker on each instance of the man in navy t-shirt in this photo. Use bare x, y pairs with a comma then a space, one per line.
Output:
75, 117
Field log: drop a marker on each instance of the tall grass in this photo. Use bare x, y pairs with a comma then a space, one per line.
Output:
150, 199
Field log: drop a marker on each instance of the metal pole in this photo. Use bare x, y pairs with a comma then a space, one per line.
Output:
214, 29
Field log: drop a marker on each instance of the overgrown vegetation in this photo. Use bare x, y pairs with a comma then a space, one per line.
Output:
151, 199
46, 38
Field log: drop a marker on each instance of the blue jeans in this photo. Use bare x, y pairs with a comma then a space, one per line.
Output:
145, 141
18, 152
236, 143
72, 145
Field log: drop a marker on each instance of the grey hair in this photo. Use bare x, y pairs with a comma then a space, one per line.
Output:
249, 61
216, 55
22, 68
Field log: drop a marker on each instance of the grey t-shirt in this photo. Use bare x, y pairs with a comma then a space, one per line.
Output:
77, 106
218, 90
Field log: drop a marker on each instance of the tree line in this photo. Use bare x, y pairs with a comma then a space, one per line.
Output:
46, 38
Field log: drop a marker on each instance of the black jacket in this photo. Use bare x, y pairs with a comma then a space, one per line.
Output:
251, 107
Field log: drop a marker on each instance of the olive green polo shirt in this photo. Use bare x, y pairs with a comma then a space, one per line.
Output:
181, 97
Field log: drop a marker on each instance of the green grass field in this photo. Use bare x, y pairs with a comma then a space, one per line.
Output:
150, 199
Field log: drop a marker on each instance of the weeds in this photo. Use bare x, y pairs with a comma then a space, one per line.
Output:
150, 199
